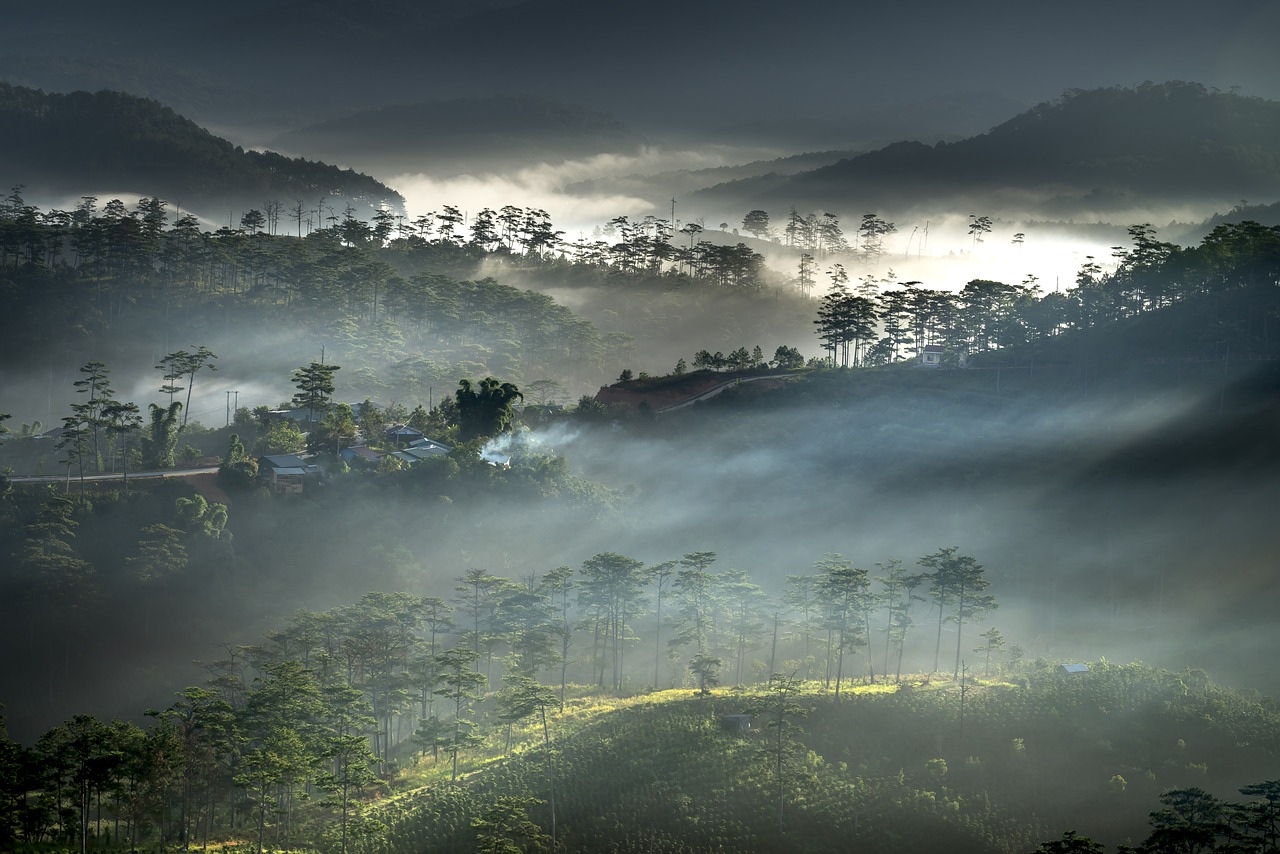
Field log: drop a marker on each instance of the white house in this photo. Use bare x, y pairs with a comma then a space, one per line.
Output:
931, 356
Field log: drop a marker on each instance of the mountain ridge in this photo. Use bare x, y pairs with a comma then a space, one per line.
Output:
1088, 149
66, 143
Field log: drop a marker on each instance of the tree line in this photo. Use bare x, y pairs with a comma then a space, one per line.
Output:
883, 320
289, 733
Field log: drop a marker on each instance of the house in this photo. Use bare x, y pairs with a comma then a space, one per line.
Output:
735, 723
1072, 669
300, 418
931, 355
431, 445
410, 456
356, 454
285, 473
403, 434
421, 449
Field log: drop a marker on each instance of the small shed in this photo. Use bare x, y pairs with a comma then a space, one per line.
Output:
1072, 669
931, 355
735, 723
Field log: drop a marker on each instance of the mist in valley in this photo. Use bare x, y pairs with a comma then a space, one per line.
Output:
1086, 562
662, 266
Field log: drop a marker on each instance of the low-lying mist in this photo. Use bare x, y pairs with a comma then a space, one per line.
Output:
1086, 558
1107, 525
541, 185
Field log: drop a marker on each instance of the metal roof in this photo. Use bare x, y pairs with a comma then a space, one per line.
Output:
285, 461
419, 452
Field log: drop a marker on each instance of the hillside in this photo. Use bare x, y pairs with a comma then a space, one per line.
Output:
1092, 150
891, 768
446, 137
110, 142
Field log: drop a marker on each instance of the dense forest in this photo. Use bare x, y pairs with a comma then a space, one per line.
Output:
405, 304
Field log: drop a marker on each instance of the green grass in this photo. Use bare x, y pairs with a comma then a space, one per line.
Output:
885, 769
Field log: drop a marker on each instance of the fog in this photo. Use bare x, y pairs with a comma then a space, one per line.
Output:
1100, 538
542, 185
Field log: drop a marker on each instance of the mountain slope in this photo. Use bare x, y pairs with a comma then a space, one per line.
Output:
112, 142
463, 134
1089, 150
889, 769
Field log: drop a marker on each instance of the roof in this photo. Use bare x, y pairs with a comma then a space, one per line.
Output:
300, 472
430, 444
296, 414
416, 454
1074, 668
404, 430
934, 348
363, 453
278, 461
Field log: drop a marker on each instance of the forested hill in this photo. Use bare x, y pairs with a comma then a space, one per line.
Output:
463, 133
111, 142
1092, 150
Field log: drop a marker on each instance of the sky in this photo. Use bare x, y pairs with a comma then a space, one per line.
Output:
807, 68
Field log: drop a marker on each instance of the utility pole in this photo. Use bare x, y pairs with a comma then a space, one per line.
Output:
230, 407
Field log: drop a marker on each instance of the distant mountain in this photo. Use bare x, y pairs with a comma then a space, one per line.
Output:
203, 96
680, 182
112, 142
794, 74
1092, 150
462, 134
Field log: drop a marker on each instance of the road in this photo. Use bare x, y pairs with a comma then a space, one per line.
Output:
62, 478
714, 390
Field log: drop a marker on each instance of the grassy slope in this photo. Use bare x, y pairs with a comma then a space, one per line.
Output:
656, 772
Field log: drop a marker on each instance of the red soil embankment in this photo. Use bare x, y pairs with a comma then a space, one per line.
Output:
669, 394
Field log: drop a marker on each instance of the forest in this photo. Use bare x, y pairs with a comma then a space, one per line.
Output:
547, 652
562, 426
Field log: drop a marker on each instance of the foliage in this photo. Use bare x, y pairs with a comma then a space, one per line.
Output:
140, 141
485, 410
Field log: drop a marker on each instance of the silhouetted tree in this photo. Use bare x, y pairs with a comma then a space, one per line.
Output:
485, 410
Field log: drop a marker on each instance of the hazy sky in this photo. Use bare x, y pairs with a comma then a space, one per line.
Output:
807, 68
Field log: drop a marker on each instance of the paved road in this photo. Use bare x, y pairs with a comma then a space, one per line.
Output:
62, 478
